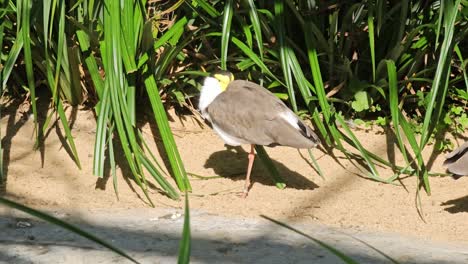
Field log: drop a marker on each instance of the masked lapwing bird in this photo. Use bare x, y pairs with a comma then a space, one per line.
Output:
242, 112
457, 161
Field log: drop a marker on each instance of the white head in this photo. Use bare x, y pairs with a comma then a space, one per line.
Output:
213, 85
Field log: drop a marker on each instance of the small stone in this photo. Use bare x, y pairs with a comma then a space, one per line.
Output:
23, 224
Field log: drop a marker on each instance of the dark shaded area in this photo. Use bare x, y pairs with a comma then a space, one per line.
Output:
18, 114
265, 246
122, 165
439, 137
43, 107
145, 116
11, 258
390, 142
12, 129
232, 163
459, 205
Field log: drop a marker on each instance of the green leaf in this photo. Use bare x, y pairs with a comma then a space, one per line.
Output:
463, 120
362, 101
177, 27
370, 24
24, 16
227, 20
247, 51
266, 160
185, 242
284, 52
333, 250
395, 110
177, 166
370, 164
256, 26
208, 7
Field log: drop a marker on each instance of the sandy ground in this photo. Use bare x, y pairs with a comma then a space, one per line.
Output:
346, 198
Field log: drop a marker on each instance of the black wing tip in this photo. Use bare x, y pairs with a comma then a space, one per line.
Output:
308, 133
458, 152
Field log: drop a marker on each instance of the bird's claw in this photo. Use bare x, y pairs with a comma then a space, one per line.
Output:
243, 194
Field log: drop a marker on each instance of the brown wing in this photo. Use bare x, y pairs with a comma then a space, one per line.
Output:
457, 160
250, 112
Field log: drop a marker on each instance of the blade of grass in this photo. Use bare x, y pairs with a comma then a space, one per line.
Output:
53, 81
284, 50
227, 20
65, 225
2, 176
208, 8
318, 84
370, 164
101, 134
386, 256
258, 61
11, 60
379, 9
394, 109
370, 25
246, 29
160, 179
270, 166
112, 163
115, 82
436, 97
256, 26
463, 66
439, 22
150, 153
180, 24
69, 137
450, 14
402, 23
206, 20
316, 165
185, 242
24, 15
177, 166
332, 249
303, 85
90, 60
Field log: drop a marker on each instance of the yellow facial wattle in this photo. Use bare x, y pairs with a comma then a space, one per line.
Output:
224, 80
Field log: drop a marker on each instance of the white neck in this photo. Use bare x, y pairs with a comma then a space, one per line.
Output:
210, 90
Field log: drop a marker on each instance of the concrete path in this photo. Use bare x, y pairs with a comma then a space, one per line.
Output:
152, 236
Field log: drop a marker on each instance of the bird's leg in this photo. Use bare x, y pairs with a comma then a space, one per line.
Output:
249, 170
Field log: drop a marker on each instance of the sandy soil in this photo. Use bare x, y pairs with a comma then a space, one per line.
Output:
49, 179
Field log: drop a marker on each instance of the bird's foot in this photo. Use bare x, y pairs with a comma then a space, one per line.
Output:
244, 194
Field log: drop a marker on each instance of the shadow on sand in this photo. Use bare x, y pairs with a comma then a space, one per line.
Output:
459, 205
232, 163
